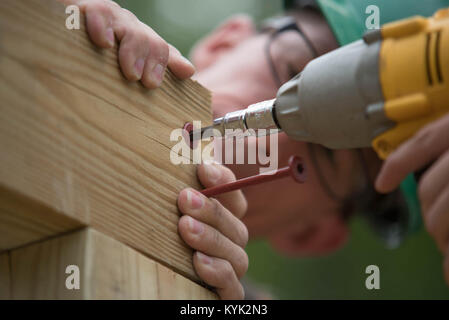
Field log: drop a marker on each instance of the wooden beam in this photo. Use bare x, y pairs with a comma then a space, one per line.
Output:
81, 145
5, 277
108, 269
24, 220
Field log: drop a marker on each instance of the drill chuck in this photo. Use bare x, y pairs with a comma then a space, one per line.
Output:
250, 120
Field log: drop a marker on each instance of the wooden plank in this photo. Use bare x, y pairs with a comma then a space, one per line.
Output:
18, 226
108, 270
5, 280
84, 145
174, 286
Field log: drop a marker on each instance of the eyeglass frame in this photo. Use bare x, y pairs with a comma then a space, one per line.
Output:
279, 25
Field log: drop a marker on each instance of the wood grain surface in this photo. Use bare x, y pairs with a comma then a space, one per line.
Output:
5, 276
82, 146
108, 269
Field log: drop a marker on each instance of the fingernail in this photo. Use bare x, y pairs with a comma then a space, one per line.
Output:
203, 258
138, 67
195, 226
194, 200
212, 172
110, 36
158, 73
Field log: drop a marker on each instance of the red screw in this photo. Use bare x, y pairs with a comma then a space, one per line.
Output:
295, 169
188, 135
187, 130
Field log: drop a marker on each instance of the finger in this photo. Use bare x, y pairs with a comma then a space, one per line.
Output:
156, 61
437, 220
218, 273
204, 238
143, 54
99, 19
414, 154
133, 54
212, 212
134, 44
179, 65
434, 181
214, 174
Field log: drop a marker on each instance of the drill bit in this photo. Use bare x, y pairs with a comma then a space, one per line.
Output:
257, 116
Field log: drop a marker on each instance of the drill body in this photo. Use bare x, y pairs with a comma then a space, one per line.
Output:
374, 92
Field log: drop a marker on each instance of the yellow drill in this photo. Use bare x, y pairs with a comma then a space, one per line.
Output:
376, 92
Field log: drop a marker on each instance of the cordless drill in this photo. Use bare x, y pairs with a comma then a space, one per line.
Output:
376, 92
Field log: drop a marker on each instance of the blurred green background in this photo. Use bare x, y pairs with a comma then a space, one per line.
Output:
182, 23
414, 271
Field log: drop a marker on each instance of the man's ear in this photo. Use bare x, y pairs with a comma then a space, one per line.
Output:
224, 38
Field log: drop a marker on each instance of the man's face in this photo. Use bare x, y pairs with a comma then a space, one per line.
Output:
297, 219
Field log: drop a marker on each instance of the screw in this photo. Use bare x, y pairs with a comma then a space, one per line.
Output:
187, 131
295, 169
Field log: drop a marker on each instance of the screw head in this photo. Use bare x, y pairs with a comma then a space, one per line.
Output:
186, 133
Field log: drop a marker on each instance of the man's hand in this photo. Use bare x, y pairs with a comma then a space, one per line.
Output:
429, 145
212, 227
143, 54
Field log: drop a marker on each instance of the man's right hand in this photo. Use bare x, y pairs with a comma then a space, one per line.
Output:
143, 54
